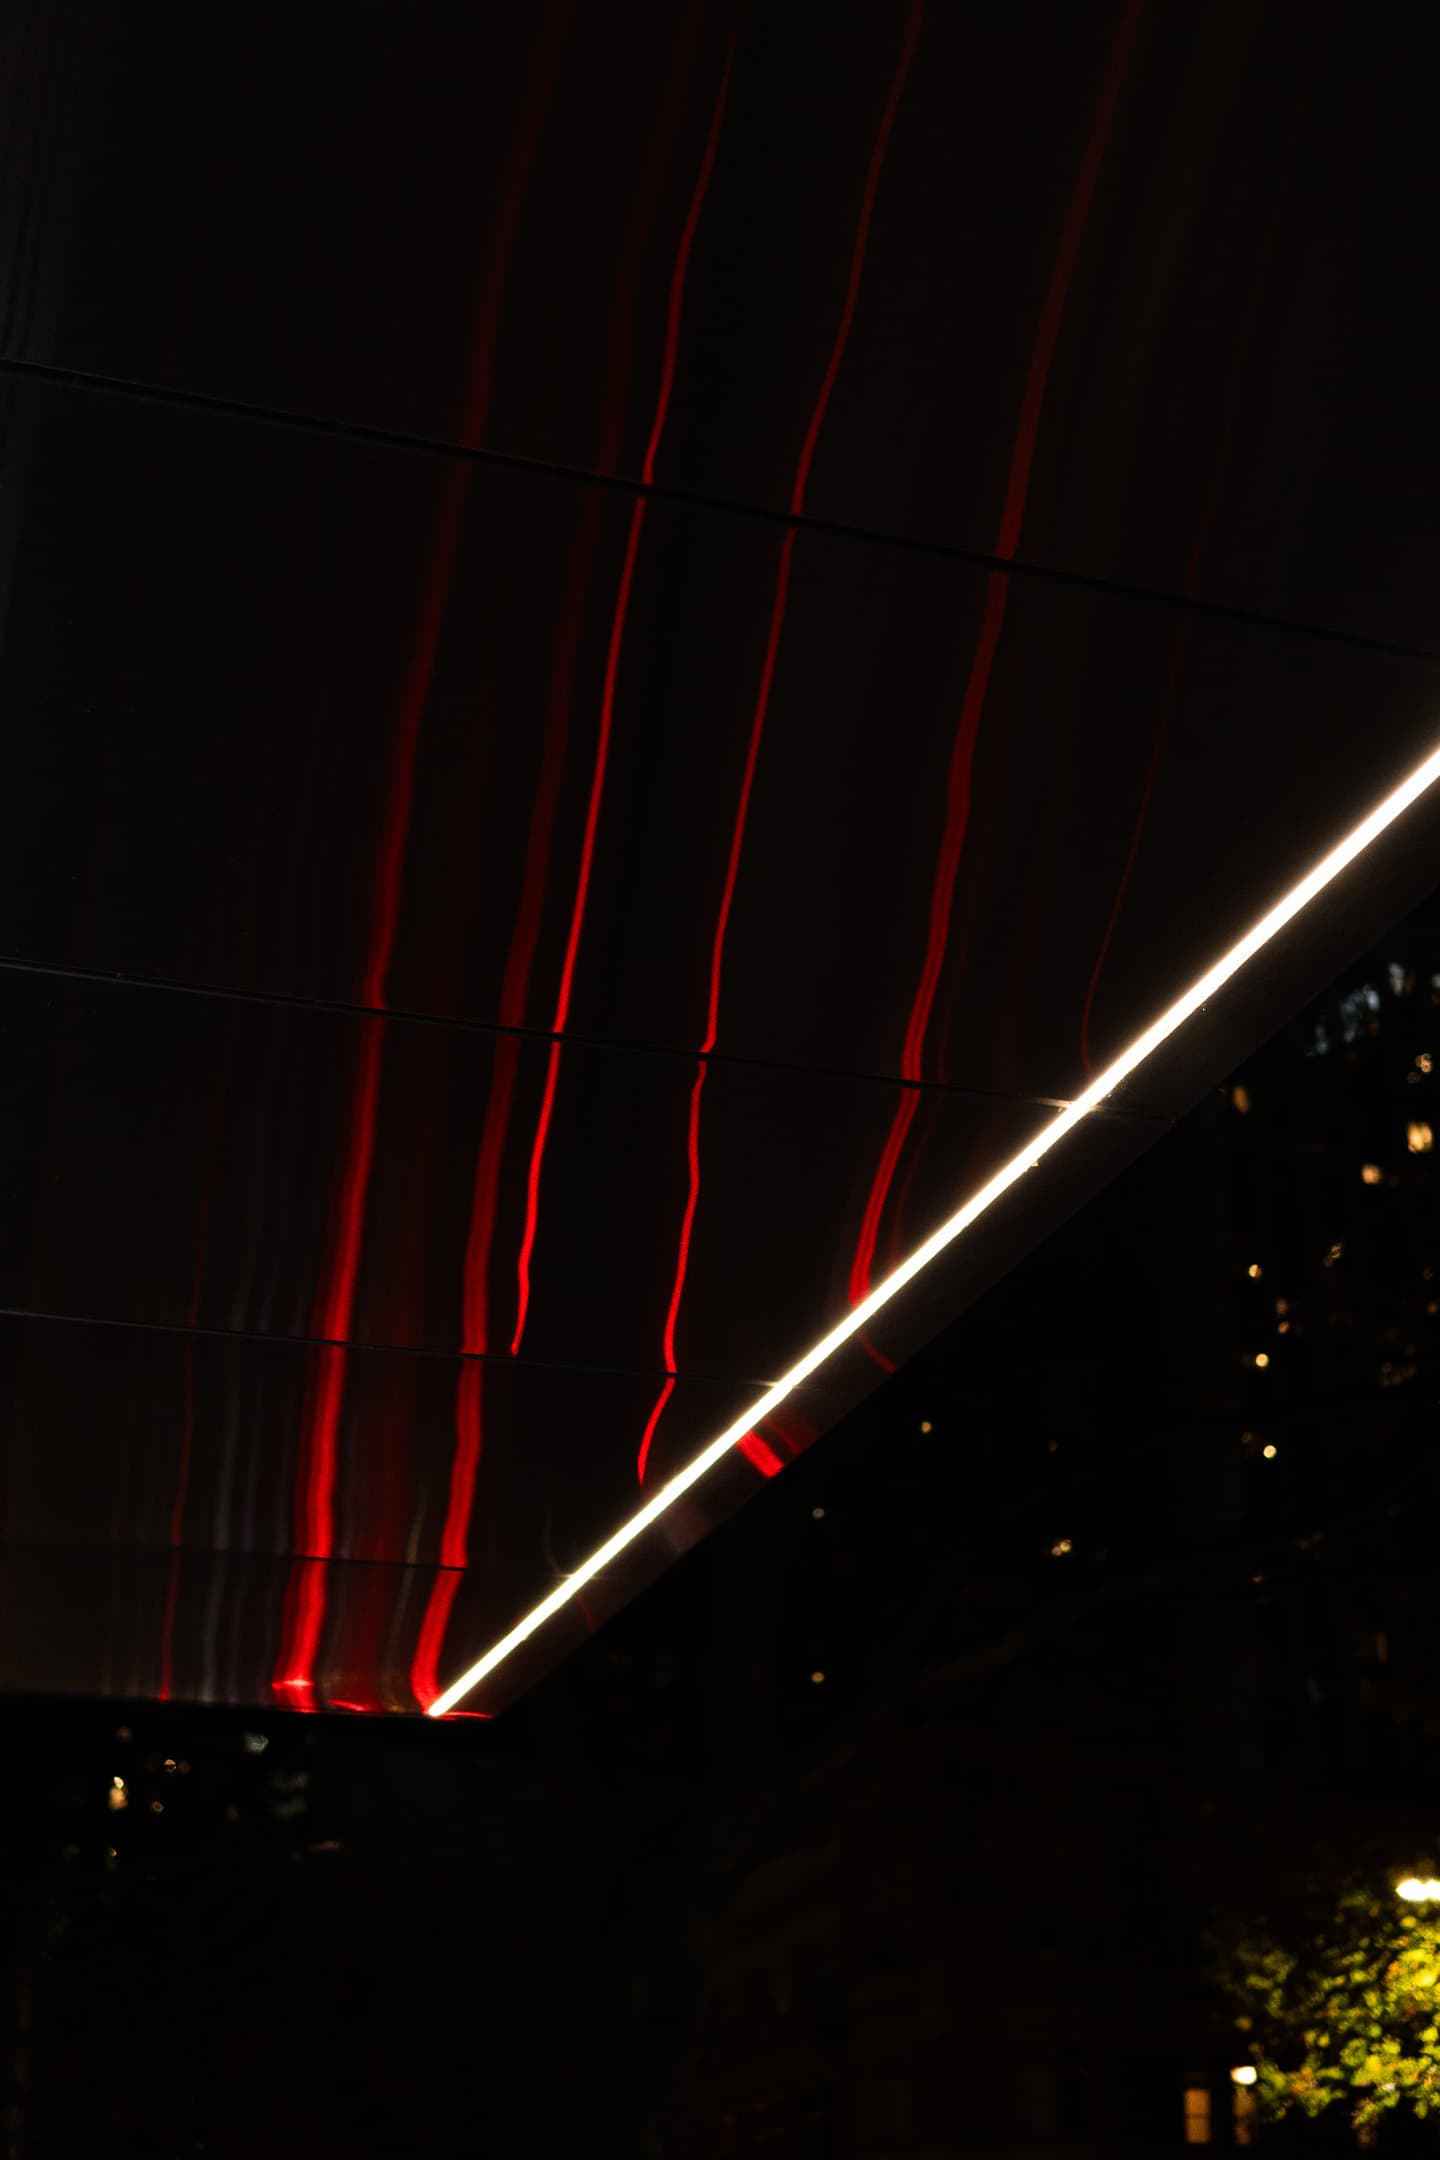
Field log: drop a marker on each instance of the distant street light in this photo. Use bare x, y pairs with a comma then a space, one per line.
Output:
1245, 2075
1418, 1891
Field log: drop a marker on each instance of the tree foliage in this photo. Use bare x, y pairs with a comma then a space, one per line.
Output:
1349, 2017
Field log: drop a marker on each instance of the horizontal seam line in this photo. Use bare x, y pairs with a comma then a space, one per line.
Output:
373, 1349
396, 439
339, 1007
43, 1543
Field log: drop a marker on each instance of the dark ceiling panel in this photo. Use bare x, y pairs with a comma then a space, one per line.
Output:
632, 639
1135, 291
177, 1160
327, 720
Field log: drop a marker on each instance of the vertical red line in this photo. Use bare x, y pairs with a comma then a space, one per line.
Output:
577, 922
915, 16
957, 819
1189, 585
305, 1600
1142, 812
869, 191
514, 997
958, 783
675, 303
424, 1668
1062, 269
607, 707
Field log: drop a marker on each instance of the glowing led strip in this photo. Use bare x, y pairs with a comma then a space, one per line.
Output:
859, 1316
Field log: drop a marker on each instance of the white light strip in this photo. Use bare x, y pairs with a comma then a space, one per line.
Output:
1129, 1061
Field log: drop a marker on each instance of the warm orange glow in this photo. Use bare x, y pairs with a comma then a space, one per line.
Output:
1270, 1451
1370, 1173
1061, 1545
926, 1426
1240, 1096
1253, 1271
817, 1679
1419, 1138
1424, 1061
1262, 1359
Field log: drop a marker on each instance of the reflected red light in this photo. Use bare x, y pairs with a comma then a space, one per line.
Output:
1067, 250
577, 921
676, 302
612, 662
1142, 812
828, 380
760, 1455
431, 1640
514, 995
915, 16
958, 783
314, 1509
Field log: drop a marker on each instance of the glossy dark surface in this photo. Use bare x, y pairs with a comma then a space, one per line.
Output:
326, 720
1142, 290
540, 854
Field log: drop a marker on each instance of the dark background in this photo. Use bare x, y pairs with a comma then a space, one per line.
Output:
897, 1820
1101, 1675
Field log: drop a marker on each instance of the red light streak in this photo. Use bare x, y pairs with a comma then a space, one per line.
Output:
913, 20
760, 1455
431, 1640
484, 1199
520, 959
1047, 330
870, 189
676, 302
607, 706
304, 1619
958, 784
305, 1599
1188, 586
577, 923
1142, 812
